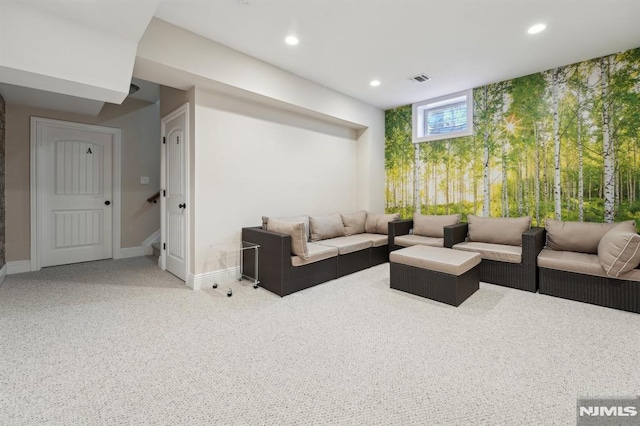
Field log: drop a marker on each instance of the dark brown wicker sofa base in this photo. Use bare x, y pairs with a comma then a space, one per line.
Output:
279, 276
523, 275
609, 292
445, 288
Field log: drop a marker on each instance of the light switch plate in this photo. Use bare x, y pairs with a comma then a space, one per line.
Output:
144, 180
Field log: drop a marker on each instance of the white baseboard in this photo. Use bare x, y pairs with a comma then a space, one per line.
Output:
191, 282
197, 282
3, 273
18, 267
135, 251
153, 238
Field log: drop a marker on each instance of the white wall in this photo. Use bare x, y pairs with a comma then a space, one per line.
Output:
251, 160
264, 141
178, 58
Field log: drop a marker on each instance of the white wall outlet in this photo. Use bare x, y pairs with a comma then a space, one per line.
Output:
144, 180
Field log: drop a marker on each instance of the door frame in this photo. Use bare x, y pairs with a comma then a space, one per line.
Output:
162, 260
37, 196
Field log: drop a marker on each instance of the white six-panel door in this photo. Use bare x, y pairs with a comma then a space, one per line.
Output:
74, 190
175, 183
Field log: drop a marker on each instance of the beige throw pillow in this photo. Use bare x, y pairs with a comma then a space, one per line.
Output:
302, 218
354, 223
297, 233
378, 223
619, 249
581, 237
324, 227
500, 230
371, 224
432, 225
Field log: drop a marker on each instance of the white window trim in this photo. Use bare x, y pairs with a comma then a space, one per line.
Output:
418, 117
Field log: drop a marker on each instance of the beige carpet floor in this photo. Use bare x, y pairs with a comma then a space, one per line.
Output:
121, 342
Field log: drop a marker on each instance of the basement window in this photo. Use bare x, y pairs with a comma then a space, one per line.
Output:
445, 117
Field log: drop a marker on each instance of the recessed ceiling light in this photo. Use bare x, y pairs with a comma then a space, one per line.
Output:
291, 40
375, 83
536, 28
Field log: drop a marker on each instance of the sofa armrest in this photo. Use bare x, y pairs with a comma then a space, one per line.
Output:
454, 234
397, 228
275, 243
400, 226
274, 255
533, 241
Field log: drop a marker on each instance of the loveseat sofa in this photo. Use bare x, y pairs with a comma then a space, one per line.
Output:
592, 262
426, 230
509, 248
302, 251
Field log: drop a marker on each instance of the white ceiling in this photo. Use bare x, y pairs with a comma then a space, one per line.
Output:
462, 44
346, 43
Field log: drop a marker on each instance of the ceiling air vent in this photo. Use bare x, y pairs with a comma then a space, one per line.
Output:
421, 78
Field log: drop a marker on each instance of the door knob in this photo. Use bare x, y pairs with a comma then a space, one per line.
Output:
182, 206
106, 203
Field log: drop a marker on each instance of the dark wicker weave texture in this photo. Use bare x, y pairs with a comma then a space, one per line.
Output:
397, 228
445, 288
379, 255
609, 292
523, 276
278, 275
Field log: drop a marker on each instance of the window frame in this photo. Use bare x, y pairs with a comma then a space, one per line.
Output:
419, 108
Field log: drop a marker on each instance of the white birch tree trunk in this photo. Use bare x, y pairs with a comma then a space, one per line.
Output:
555, 82
520, 190
485, 165
505, 188
416, 178
447, 163
607, 145
537, 177
580, 163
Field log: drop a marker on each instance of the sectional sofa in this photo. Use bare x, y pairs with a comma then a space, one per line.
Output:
302, 251
592, 262
595, 263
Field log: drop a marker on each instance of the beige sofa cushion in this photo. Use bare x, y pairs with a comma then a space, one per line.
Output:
412, 240
354, 223
377, 240
501, 230
302, 218
432, 225
437, 259
317, 252
378, 223
297, 233
582, 237
580, 263
570, 261
328, 226
499, 252
619, 250
346, 245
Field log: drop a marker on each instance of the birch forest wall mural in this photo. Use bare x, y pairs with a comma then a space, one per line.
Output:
564, 143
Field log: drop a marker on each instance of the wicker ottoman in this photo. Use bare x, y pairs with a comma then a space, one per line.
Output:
441, 274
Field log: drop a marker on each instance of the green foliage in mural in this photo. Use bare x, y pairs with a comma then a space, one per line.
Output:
563, 143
